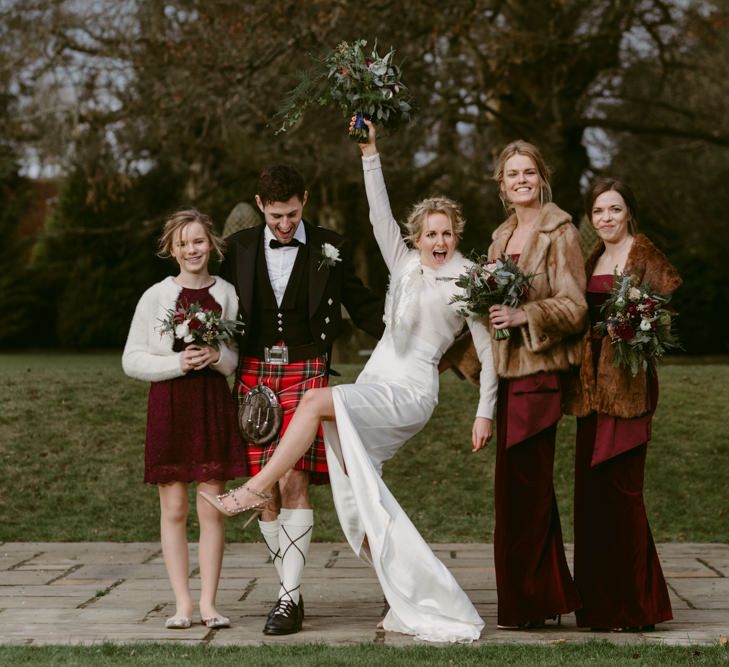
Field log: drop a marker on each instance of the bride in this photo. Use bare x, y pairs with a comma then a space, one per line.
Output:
367, 422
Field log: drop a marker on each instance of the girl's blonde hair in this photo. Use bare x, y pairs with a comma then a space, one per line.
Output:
420, 212
521, 147
178, 221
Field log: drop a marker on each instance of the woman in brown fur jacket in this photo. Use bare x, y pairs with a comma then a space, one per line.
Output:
532, 578
617, 571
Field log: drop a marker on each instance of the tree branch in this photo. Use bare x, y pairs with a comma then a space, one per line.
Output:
716, 137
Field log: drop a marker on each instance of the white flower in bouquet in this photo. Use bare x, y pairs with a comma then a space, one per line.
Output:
645, 325
634, 294
201, 315
182, 330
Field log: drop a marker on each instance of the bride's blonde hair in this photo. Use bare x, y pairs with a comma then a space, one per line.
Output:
420, 212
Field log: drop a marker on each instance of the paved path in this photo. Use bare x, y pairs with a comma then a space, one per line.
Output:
83, 593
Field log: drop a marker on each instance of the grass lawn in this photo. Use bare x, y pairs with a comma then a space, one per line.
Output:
590, 653
72, 438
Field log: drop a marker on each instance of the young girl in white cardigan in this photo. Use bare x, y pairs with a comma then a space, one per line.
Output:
192, 433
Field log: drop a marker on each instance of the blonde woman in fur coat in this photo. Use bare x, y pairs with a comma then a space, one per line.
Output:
532, 578
617, 570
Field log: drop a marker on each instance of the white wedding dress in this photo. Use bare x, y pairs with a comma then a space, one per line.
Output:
391, 401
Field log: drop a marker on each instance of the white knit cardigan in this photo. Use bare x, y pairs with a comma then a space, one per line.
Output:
148, 355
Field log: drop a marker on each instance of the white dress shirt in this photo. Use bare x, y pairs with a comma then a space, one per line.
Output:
280, 261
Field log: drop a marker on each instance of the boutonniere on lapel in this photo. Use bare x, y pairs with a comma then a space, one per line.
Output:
329, 256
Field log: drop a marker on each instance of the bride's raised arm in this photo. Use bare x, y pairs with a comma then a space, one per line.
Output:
387, 232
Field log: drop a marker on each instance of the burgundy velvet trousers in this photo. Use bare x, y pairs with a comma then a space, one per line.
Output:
533, 580
617, 570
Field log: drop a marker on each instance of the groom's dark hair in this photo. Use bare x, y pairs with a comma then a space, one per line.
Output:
279, 183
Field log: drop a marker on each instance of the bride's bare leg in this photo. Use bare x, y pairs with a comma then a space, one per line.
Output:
315, 406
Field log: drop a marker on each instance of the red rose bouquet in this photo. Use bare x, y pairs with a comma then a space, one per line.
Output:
197, 325
639, 325
486, 284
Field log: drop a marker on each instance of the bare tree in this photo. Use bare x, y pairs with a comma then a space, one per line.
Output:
113, 90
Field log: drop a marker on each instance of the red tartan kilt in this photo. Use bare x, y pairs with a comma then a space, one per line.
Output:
289, 382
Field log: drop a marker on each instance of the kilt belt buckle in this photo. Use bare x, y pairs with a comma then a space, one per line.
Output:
276, 355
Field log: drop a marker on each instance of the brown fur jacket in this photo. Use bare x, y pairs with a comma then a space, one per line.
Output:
555, 306
614, 391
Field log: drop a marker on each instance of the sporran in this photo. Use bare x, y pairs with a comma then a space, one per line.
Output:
260, 415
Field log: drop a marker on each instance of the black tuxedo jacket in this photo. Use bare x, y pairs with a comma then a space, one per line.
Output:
329, 287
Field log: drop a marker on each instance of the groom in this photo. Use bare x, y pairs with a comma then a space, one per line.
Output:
292, 278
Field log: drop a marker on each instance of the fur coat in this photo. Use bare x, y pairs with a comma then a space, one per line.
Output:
555, 306
615, 391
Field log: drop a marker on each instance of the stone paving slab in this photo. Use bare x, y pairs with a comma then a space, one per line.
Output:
720, 565
89, 593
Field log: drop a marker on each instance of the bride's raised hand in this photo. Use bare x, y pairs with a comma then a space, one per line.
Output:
370, 148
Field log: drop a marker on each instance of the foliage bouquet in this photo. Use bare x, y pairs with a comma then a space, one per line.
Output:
364, 86
195, 324
486, 284
638, 323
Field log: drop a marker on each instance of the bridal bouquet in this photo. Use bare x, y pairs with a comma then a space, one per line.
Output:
486, 284
365, 86
639, 325
195, 324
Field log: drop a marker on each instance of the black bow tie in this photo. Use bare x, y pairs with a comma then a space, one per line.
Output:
293, 243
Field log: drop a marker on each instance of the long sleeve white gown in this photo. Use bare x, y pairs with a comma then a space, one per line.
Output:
391, 401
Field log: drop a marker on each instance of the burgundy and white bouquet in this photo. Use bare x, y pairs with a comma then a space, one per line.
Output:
361, 85
195, 324
486, 284
639, 325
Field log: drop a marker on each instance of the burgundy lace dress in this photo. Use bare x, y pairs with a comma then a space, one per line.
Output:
192, 431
